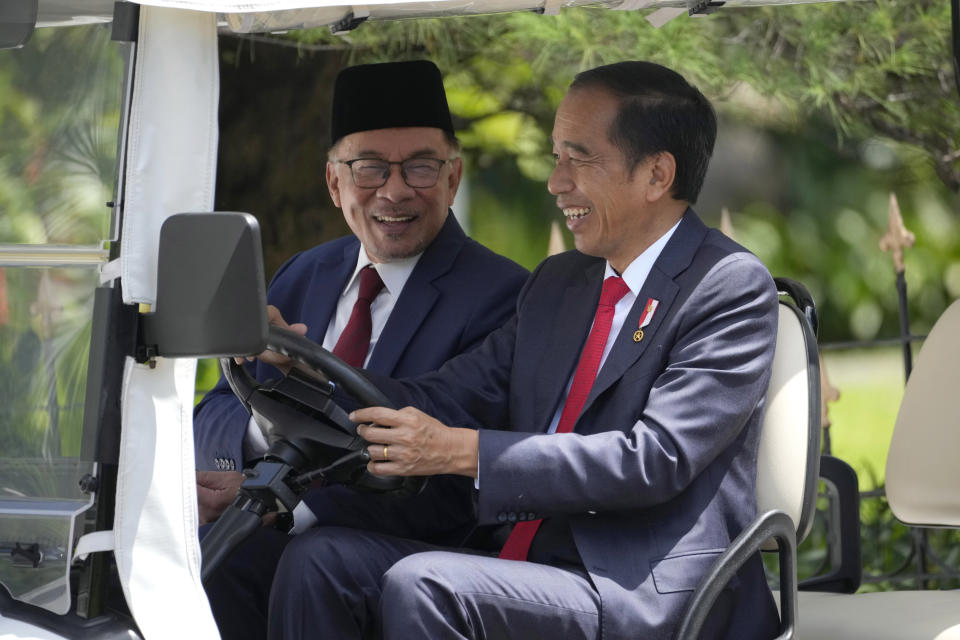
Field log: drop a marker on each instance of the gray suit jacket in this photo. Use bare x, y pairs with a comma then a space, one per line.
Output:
659, 474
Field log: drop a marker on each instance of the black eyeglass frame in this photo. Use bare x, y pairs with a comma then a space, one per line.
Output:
403, 173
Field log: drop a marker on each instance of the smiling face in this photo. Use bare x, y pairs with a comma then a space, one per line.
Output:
614, 212
394, 221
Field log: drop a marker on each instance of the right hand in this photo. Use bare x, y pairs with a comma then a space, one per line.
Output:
278, 360
216, 490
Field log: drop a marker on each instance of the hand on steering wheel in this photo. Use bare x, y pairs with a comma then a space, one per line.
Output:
298, 413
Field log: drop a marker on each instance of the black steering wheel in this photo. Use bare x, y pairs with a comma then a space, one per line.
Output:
310, 438
302, 421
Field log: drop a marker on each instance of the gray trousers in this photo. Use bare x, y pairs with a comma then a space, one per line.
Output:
341, 584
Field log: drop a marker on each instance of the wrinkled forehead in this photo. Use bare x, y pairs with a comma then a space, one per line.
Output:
395, 143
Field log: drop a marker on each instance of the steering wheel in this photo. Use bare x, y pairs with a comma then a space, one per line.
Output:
303, 423
310, 436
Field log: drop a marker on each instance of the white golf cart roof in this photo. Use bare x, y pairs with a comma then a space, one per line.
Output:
274, 15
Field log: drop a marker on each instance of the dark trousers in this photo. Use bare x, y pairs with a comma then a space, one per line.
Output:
239, 590
343, 584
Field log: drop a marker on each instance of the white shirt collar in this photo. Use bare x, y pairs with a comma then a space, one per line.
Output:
636, 273
394, 274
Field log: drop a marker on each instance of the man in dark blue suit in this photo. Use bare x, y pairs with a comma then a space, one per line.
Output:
617, 414
430, 293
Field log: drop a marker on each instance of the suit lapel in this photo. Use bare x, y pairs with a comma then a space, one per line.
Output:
569, 324
418, 297
322, 307
659, 285
626, 351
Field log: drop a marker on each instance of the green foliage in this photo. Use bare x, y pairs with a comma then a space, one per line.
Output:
59, 115
857, 98
60, 100
878, 67
208, 372
887, 550
825, 233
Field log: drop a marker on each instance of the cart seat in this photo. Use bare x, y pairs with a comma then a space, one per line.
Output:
888, 615
923, 489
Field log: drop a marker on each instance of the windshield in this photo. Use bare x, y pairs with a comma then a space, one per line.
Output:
60, 106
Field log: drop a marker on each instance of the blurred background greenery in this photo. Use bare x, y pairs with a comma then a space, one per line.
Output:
60, 105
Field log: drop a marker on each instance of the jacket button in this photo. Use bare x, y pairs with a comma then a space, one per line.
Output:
502, 517
512, 517
531, 516
592, 513
521, 516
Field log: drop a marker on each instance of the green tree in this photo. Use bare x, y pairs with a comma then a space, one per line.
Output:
879, 67
858, 98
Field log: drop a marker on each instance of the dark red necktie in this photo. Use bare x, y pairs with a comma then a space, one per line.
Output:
518, 543
354, 342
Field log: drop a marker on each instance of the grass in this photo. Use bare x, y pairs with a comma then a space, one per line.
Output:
871, 388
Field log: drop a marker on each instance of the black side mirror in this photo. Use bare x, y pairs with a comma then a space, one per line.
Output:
211, 294
17, 21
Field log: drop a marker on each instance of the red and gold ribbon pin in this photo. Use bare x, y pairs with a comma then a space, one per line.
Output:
645, 318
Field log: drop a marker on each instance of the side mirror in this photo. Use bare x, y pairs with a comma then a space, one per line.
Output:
211, 294
17, 21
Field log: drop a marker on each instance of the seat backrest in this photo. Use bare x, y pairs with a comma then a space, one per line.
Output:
923, 464
789, 455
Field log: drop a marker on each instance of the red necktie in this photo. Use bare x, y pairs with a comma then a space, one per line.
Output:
518, 543
354, 342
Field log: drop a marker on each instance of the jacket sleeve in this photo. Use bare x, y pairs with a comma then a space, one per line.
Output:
714, 381
219, 427
484, 400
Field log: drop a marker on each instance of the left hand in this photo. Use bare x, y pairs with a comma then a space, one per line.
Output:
278, 360
416, 444
216, 490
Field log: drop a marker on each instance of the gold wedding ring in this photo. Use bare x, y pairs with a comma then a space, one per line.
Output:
385, 447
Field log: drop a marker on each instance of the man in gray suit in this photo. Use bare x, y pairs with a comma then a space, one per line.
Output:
621, 411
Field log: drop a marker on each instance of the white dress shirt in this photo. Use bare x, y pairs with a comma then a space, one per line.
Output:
394, 275
634, 276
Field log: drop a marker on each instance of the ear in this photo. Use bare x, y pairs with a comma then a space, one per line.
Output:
453, 180
333, 183
662, 170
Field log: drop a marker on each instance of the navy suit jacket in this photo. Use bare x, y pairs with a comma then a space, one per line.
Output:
459, 291
659, 474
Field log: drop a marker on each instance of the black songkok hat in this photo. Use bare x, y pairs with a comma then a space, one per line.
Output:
390, 94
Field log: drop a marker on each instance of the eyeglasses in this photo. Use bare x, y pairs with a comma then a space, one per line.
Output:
417, 173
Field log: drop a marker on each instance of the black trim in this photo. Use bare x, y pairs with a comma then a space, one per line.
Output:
802, 298
346, 24
112, 339
843, 538
126, 22
772, 524
705, 7
93, 588
18, 19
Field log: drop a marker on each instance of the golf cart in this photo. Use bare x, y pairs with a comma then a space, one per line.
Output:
98, 455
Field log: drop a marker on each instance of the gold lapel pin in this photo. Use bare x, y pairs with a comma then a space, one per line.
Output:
645, 318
